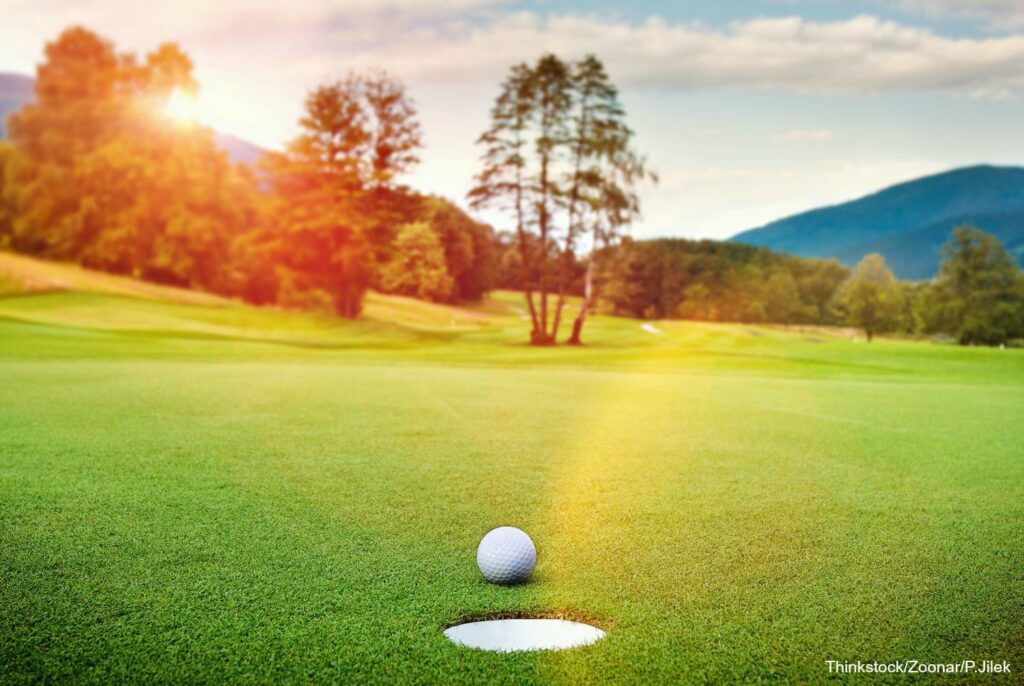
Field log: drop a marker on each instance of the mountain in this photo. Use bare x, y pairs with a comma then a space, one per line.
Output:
16, 90
917, 254
908, 222
239, 149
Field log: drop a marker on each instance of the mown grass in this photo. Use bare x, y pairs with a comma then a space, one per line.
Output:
208, 492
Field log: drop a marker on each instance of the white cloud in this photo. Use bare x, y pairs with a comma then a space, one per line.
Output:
999, 14
863, 55
471, 40
802, 135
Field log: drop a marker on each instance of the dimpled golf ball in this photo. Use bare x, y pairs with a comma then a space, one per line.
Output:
506, 555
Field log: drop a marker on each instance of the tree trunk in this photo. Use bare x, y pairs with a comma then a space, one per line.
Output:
531, 307
524, 249
559, 304
588, 289
543, 255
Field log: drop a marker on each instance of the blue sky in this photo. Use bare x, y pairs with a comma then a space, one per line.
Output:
748, 110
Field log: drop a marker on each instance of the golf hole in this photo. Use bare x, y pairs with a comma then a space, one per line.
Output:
519, 634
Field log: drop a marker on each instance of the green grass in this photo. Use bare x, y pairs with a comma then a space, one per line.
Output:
196, 491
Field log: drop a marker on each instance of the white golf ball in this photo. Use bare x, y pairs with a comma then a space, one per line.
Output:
506, 555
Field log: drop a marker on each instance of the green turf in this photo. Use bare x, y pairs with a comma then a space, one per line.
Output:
203, 492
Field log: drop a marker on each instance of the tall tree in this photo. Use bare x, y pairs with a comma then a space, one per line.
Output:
502, 182
552, 100
558, 154
100, 175
978, 295
357, 136
605, 168
871, 298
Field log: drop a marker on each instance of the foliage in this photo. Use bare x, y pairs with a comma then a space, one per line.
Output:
100, 176
331, 190
978, 296
871, 298
419, 268
470, 252
714, 281
557, 157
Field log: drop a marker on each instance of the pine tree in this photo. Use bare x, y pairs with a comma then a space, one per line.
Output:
502, 182
557, 156
605, 169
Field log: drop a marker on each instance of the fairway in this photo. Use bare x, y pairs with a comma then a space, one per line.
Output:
196, 491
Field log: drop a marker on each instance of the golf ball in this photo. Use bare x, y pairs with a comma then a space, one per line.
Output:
506, 555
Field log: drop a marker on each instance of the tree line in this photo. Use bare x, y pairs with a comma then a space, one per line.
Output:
977, 298
94, 173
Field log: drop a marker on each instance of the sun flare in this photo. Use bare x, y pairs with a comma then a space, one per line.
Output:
182, 107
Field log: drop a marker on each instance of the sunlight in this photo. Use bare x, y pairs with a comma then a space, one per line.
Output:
182, 107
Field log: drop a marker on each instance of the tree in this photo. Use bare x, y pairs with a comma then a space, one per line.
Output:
469, 249
101, 176
557, 158
331, 185
418, 269
600, 182
713, 281
978, 295
502, 182
552, 100
871, 298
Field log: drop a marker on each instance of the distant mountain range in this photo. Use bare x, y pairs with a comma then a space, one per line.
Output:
908, 222
16, 90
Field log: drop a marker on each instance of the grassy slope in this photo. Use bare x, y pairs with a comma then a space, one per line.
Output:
199, 491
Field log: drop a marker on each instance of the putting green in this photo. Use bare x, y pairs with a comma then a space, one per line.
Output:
193, 490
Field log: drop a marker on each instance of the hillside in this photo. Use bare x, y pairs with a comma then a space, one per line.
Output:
40, 292
907, 222
16, 90
916, 254
65, 310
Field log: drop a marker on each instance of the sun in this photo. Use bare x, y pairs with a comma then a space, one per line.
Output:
182, 107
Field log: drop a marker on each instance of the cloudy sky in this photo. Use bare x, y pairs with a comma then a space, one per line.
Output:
748, 110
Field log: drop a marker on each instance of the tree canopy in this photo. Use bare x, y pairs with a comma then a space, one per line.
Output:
557, 159
419, 268
871, 298
99, 174
978, 295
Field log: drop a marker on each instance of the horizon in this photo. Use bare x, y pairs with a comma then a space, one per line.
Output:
939, 89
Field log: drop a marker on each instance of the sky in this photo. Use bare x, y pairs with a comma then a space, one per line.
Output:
748, 111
